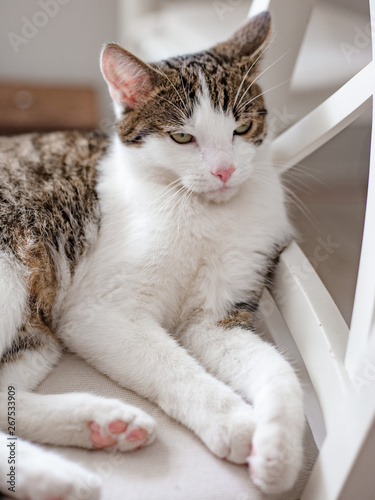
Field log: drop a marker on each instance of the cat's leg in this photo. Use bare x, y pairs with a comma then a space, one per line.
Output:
140, 355
72, 419
38, 474
79, 419
257, 371
33, 355
28, 472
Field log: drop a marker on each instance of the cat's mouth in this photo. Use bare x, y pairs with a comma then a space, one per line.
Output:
221, 193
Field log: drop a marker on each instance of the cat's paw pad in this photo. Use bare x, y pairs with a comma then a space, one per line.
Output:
230, 436
136, 430
107, 423
103, 439
275, 460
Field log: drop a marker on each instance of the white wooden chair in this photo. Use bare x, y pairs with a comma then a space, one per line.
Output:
299, 312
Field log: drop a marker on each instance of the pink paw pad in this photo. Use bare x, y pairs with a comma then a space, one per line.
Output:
116, 427
98, 440
140, 435
137, 435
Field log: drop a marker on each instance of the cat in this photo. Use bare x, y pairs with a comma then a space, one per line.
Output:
146, 254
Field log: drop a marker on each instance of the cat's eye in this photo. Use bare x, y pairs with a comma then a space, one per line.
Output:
182, 138
242, 129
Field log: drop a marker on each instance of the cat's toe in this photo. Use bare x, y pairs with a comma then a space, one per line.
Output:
138, 430
138, 435
231, 436
276, 459
118, 426
100, 440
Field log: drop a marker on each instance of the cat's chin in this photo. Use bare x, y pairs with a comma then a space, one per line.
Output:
220, 195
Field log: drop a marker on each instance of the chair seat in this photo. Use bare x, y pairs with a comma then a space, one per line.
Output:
176, 466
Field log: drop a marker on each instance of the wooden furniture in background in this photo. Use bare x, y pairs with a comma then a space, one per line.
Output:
28, 108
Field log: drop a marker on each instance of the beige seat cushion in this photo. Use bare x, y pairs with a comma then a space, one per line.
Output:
177, 466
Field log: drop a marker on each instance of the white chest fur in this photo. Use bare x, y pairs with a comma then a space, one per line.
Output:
170, 252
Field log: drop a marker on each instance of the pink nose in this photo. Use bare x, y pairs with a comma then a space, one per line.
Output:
224, 173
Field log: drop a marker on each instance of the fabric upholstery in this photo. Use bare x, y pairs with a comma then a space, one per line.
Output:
177, 466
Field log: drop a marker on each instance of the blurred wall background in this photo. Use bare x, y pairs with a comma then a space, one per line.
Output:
57, 43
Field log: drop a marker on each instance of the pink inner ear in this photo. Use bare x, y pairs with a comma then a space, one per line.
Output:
128, 82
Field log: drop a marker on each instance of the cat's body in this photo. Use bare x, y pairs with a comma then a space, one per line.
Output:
147, 258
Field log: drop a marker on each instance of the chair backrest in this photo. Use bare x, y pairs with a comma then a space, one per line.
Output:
340, 363
289, 22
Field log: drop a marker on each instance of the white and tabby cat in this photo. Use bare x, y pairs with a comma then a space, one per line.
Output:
147, 255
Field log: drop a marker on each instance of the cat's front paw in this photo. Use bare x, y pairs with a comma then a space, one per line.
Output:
97, 422
229, 436
276, 458
121, 427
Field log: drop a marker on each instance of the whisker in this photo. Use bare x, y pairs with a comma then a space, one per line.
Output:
168, 207
172, 104
260, 176
170, 81
299, 169
298, 184
160, 228
251, 116
300, 174
301, 206
184, 202
189, 88
168, 201
163, 192
262, 93
248, 71
183, 87
266, 69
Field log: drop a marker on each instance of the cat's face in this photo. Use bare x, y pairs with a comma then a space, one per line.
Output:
197, 120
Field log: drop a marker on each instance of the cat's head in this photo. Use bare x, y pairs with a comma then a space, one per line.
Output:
199, 118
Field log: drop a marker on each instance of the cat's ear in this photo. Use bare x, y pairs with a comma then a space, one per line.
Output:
248, 41
130, 80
